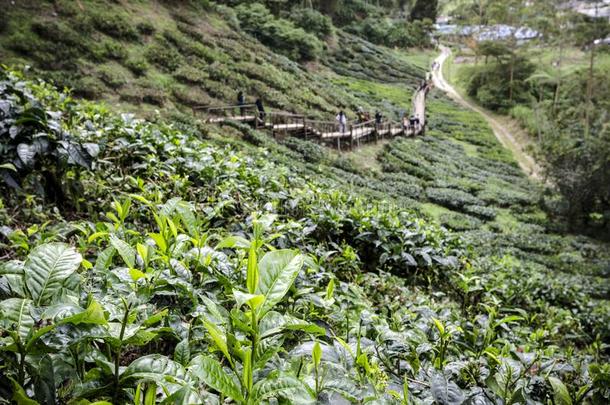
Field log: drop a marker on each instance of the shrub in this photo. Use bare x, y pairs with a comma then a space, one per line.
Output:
486, 213
451, 198
57, 32
111, 77
39, 150
313, 21
190, 96
190, 74
115, 25
88, 87
137, 65
145, 28
460, 222
490, 83
281, 35
164, 55
109, 49
526, 118
311, 152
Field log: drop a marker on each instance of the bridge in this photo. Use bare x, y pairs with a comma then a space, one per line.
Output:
282, 124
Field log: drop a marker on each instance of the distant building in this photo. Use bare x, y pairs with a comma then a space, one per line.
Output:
487, 33
599, 9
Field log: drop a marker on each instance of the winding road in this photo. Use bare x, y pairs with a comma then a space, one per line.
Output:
526, 162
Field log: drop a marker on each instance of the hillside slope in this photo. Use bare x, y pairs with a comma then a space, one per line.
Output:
151, 54
214, 264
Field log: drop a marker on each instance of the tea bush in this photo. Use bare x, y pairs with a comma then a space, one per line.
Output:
137, 65
116, 25
313, 21
277, 33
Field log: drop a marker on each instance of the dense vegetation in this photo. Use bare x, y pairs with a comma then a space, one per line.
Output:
561, 100
187, 263
186, 56
142, 296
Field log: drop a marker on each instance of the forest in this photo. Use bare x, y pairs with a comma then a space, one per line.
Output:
150, 254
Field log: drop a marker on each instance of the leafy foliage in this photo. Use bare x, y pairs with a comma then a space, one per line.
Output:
35, 147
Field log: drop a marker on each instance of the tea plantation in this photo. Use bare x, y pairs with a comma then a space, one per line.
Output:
164, 260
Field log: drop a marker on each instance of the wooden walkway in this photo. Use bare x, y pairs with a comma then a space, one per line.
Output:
326, 132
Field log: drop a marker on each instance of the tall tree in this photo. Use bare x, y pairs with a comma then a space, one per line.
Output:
425, 9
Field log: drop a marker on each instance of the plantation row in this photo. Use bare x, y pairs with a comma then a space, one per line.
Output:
190, 55
184, 270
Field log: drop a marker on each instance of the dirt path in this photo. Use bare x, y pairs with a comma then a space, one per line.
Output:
526, 162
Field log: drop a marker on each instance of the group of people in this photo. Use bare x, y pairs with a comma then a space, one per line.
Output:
361, 117
241, 103
412, 123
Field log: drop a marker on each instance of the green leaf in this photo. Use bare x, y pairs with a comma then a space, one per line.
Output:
211, 372
182, 352
278, 270
46, 269
104, 259
439, 326
508, 319
247, 369
316, 354
26, 153
187, 217
233, 242
219, 338
15, 315
330, 288
304, 326
93, 315
150, 396
159, 240
12, 272
445, 392
19, 395
276, 386
252, 271
252, 300
184, 396
125, 251
154, 367
156, 318
561, 394
343, 387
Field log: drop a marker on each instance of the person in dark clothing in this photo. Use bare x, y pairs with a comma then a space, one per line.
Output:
378, 117
261, 109
241, 102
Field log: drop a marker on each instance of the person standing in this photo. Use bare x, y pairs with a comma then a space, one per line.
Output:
241, 102
261, 109
342, 120
378, 117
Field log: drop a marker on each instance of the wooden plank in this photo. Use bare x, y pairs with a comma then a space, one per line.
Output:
239, 118
288, 127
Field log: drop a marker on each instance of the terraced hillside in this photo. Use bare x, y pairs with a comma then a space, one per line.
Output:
149, 55
178, 262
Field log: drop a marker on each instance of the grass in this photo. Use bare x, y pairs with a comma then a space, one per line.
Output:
365, 157
382, 93
434, 210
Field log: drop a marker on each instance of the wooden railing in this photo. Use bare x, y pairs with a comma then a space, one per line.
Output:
283, 122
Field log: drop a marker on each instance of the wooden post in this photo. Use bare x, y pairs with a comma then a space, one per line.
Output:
351, 137
339, 144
